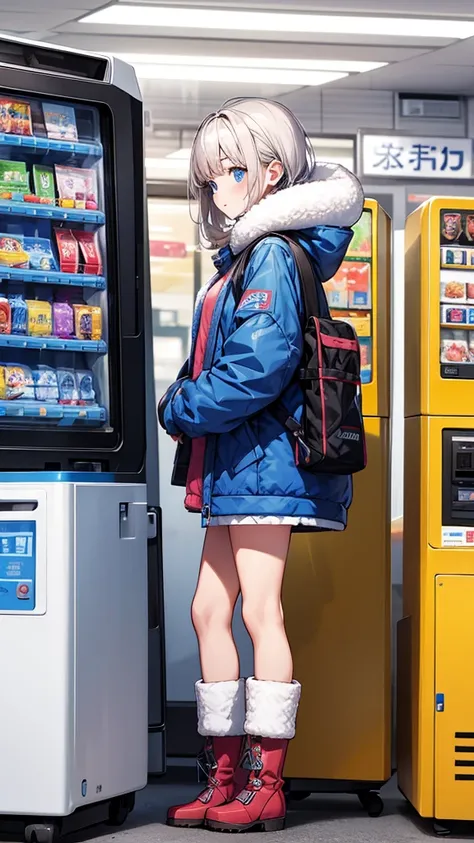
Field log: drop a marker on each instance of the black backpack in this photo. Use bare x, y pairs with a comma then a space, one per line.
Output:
330, 438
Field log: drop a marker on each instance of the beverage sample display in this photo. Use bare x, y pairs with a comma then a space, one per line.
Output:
54, 356
349, 293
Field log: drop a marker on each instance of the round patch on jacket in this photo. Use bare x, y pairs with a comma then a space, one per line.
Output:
256, 300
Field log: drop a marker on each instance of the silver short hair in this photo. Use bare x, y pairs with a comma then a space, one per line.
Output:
251, 133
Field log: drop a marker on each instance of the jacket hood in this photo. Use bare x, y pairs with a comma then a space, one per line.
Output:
333, 198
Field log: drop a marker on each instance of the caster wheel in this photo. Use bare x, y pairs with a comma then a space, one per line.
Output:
441, 830
371, 802
297, 795
41, 833
119, 809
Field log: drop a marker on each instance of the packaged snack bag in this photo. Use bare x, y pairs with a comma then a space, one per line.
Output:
43, 179
60, 121
40, 319
5, 316
40, 254
88, 322
19, 313
453, 257
459, 315
18, 382
68, 248
470, 291
14, 178
15, 117
67, 385
12, 251
63, 320
89, 245
453, 290
454, 351
451, 226
470, 226
77, 185
46, 385
85, 383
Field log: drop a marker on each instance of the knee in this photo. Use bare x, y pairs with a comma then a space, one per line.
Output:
206, 615
261, 615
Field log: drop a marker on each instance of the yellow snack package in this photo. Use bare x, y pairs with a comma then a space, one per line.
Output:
40, 318
88, 322
3, 393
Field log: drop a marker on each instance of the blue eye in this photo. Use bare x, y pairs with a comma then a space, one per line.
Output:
238, 174
213, 186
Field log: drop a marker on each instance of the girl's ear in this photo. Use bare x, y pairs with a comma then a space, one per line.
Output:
273, 174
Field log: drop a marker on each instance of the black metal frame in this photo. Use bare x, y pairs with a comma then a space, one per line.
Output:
121, 451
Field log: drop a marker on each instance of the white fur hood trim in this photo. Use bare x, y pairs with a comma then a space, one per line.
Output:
334, 197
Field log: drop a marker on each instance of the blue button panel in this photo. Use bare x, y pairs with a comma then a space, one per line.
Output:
17, 566
52, 343
32, 276
34, 144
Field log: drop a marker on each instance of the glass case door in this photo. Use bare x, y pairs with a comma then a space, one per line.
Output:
54, 309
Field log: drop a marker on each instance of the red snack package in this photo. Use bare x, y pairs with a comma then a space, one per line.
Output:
5, 317
68, 248
90, 251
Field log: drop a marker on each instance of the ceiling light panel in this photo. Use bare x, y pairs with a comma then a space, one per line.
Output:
242, 75
122, 14
332, 66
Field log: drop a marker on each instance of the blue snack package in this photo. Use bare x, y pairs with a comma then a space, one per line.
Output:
67, 384
46, 385
40, 253
19, 313
85, 384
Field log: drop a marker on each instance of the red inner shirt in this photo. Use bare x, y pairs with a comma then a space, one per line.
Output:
193, 500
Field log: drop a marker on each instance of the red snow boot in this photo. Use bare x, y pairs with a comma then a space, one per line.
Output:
220, 760
261, 805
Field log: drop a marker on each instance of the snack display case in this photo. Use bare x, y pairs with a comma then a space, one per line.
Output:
71, 282
349, 293
457, 293
53, 265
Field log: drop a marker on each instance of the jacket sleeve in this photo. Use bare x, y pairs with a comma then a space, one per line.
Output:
258, 359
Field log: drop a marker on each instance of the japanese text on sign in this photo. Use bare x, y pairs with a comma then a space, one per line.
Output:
414, 157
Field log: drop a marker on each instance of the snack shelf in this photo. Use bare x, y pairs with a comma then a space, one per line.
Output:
358, 258
26, 209
360, 308
52, 343
455, 326
58, 278
36, 144
65, 414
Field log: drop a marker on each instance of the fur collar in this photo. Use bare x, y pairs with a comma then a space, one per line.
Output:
334, 197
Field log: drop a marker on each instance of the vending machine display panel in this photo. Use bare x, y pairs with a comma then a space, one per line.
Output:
457, 294
349, 293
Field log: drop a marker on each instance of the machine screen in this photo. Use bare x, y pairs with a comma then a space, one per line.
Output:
54, 354
457, 293
349, 293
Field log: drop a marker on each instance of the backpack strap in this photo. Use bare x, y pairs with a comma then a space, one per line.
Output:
304, 267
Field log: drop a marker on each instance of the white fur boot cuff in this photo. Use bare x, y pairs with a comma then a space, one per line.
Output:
272, 708
220, 708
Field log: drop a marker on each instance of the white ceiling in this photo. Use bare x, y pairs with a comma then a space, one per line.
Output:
415, 64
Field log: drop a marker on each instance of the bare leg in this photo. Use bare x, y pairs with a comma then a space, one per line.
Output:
260, 556
213, 607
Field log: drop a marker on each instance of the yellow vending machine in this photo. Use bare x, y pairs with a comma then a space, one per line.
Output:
337, 589
436, 636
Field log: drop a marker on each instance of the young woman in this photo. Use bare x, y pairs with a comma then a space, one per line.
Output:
252, 173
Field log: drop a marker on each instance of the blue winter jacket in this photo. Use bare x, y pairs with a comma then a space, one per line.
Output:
253, 352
